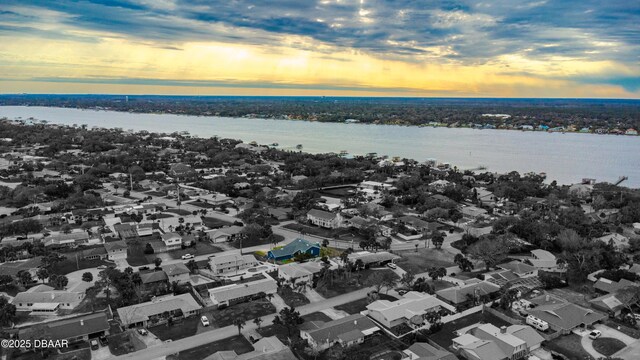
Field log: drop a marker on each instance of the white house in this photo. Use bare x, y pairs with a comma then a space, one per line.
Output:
348, 331
237, 293
324, 219
411, 310
116, 250
299, 272
172, 241
44, 300
231, 264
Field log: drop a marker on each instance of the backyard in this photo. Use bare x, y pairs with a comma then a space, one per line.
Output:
247, 310
447, 333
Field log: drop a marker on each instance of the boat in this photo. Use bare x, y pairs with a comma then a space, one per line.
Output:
299, 146
275, 144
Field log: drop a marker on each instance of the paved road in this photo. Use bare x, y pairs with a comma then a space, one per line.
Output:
164, 349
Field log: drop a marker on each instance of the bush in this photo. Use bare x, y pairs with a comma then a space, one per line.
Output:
148, 249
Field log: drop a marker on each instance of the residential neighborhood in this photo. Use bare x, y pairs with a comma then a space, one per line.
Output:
138, 245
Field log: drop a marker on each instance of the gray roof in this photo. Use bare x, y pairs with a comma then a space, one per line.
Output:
141, 312
236, 291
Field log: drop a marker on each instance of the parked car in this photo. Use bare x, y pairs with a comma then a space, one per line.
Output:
103, 340
402, 292
142, 332
94, 344
168, 341
392, 266
595, 334
204, 321
187, 256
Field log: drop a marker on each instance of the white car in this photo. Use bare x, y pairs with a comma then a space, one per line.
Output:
594, 334
187, 256
204, 321
392, 266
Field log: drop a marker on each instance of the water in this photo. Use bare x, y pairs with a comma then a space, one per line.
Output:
566, 158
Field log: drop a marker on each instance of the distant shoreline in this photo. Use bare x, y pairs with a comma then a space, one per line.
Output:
437, 125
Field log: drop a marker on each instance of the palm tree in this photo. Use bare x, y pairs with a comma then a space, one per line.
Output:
258, 322
240, 323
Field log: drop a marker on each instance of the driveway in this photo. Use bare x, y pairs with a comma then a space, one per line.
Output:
101, 354
608, 332
314, 296
278, 302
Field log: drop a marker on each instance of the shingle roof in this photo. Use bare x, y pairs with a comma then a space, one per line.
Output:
412, 304
518, 267
458, 295
175, 269
115, 245
325, 215
78, 326
236, 291
331, 330
154, 276
55, 296
141, 312
427, 352
566, 316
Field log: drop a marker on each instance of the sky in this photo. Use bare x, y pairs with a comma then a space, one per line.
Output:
487, 48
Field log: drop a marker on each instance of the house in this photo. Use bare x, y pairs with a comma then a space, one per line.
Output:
411, 310
172, 241
268, 348
606, 286
70, 239
231, 264
519, 268
633, 132
617, 240
237, 293
606, 215
561, 315
488, 342
324, 219
608, 304
153, 278
543, 260
94, 253
224, 234
417, 224
45, 300
279, 213
188, 240
80, 328
126, 231
372, 258
471, 212
116, 250
180, 170
155, 311
296, 247
425, 351
176, 272
485, 197
439, 186
299, 272
348, 331
458, 296
144, 229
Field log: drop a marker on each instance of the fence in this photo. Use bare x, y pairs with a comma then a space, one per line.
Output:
456, 316
504, 316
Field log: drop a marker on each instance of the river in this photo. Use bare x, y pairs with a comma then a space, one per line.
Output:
566, 158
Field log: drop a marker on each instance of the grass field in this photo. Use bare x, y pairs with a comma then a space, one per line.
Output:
179, 330
357, 281
248, 310
608, 346
355, 307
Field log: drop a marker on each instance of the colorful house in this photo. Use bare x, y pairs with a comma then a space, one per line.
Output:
296, 247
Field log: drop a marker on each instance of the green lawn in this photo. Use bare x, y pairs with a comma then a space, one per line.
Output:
357, 281
248, 310
569, 346
249, 243
355, 307
608, 346
236, 343
421, 261
181, 212
179, 330
120, 344
84, 354
214, 223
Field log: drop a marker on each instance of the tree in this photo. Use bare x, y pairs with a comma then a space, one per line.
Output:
59, 282
258, 322
148, 249
42, 274
437, 273
489, 251
87, 277
157, 262
24, 277
463, 263
375, 280
509, 295
240, 323
7, 312
192, 266
407, 279
290, 318
437, 240
50, 260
